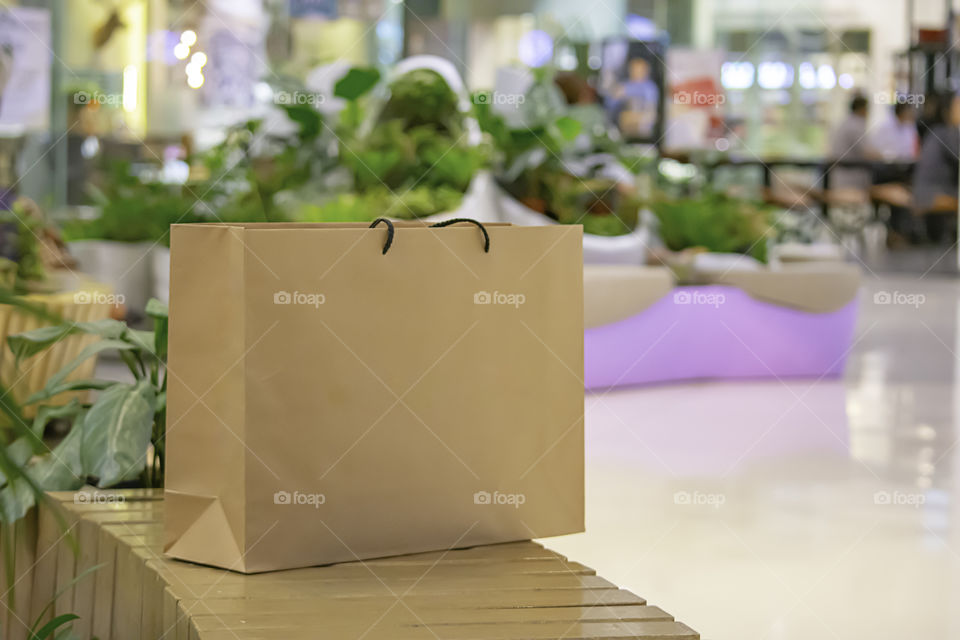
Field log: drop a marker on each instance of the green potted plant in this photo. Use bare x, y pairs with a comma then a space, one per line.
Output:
550, 169
132, 217
407, 147
115, 439
712, 231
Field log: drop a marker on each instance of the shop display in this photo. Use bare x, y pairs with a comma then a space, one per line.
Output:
458, 364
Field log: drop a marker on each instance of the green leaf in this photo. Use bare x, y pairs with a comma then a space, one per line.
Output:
16, 499
157, 309
10, 297
71, 385
10, 408
357, 82
117, 431
90, 350
161, 321
143, 340
568, 127
25, 447
19, 452
51, 627
62, 469
308, 118
28, 343
70, 585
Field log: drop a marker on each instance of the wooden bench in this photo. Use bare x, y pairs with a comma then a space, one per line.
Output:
513, 590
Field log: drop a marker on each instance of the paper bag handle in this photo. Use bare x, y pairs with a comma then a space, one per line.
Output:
445, 223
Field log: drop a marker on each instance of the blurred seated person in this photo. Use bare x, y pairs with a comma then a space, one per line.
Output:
896, 139
935, 179
849, 142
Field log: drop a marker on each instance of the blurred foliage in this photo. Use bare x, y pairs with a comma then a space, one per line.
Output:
30, 248
20, 259
242, 179
131, 210
412, 160
109, 437
555, 159
715, 222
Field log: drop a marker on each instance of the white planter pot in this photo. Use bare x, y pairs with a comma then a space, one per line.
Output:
160, 268
124, 266
630, 248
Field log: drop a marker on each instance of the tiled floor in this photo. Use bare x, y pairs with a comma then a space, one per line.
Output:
793, 509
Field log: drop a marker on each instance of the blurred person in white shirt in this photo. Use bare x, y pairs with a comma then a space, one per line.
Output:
895, 139
850, 142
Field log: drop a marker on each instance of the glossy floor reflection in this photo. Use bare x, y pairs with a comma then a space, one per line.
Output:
793, 509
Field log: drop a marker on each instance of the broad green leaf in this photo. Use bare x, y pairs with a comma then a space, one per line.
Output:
568, 127
157, 309
143, 340
90, 350
357, 81
308, 119
25, 447
19, 452
70, 385
117, 431
16, 499
62, 469
28, 343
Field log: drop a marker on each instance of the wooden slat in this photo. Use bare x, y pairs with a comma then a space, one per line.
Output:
497, 592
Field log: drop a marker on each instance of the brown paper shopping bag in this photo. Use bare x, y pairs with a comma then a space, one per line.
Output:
339, 392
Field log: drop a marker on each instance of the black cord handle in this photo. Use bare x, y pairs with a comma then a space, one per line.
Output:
483, 230
390, 232
445, 223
